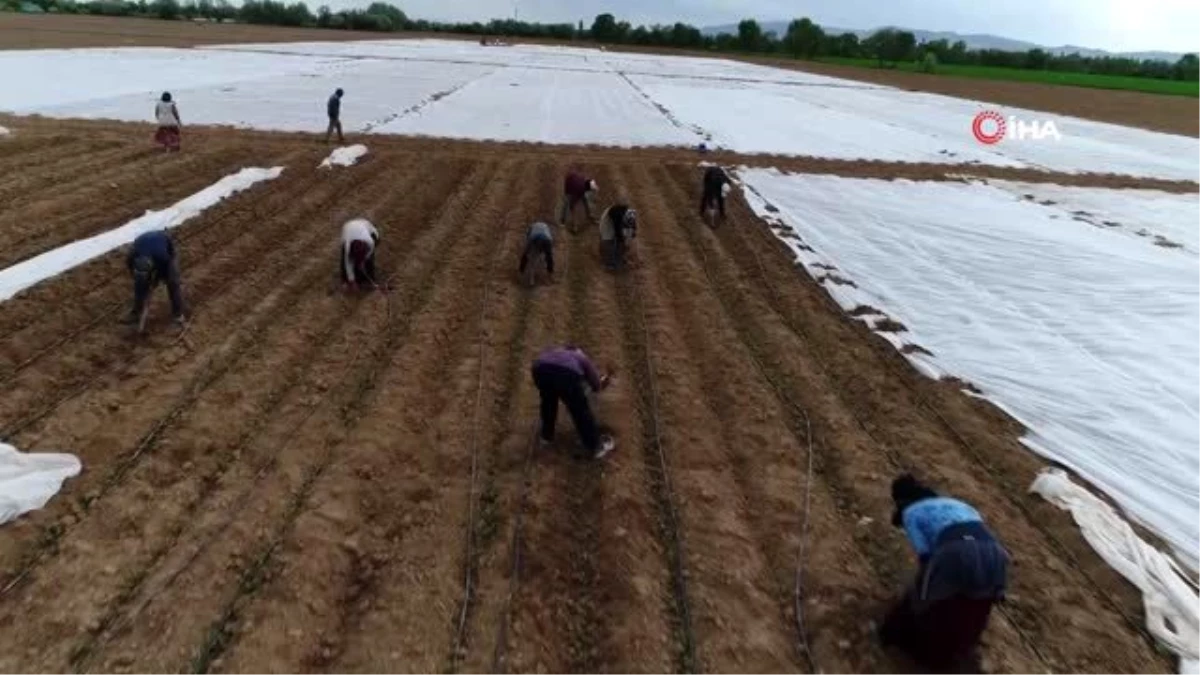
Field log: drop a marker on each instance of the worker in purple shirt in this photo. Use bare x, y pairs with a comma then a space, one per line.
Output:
963, 572
577, 189
560, 374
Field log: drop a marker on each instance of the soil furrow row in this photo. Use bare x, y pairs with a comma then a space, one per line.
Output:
331, 429
499, 370
190, 379
86, 212
67, 172
216, 273
508, 464
418, 543
759, 456
249, 500
1008, 464
297, 368
638, 342
868, 462
196, 242
910, 440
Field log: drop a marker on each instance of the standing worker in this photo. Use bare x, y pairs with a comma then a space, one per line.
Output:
538, 242
334, 108
152, 259
577, 188
716, 187
963, 573
357, 260
560, 374
166, 114
618, 227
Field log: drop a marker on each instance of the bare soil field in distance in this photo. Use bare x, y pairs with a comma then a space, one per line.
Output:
308, 481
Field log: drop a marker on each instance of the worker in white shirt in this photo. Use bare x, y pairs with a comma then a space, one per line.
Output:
357, 262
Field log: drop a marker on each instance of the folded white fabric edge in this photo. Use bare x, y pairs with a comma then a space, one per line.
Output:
29, 480
1172, 604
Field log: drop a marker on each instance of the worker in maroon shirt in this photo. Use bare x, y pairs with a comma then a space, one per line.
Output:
577, 188
560, 374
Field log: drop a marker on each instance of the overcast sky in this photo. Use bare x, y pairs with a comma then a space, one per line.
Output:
1118, 25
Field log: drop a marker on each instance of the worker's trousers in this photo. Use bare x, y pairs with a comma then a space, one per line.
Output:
168, 273
537, 245
569, 204
556, 383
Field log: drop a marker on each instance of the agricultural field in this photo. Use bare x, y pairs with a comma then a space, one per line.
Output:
304, 480
1139, 84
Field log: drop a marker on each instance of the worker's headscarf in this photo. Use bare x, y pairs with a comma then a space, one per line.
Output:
906, 491
166, 96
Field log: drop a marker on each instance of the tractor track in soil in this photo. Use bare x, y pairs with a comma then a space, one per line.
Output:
312, 482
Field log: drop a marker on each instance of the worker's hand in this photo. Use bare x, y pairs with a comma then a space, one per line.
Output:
605, 380
349, 287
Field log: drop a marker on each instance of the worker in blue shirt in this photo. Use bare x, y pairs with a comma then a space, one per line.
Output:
963, 572
152, 259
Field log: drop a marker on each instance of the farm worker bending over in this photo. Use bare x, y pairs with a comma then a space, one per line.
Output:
577, 188
538, 240
963, 573
716, 187
167, 116
152, 259
560, 374
359, 240
334, 108
618, 226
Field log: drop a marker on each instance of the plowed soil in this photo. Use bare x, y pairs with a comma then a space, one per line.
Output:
308, 481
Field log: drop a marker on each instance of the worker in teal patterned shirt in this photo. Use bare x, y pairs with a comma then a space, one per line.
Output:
962, 573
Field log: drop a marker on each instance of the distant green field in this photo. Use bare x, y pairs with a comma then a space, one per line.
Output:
1145, 84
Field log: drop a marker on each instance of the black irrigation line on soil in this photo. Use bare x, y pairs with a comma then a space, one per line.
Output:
922, 402
893, 458
394, 333
516, 545
657, 468
476, 531
134, 358
803, 648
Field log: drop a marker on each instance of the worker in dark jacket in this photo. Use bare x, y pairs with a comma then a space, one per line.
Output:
152, 259
577, 189
716, 187
618, 228
538, 241
334, 109
560, 374
963, 572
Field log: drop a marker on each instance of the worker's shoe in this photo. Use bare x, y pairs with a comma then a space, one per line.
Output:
607, 445
129, 319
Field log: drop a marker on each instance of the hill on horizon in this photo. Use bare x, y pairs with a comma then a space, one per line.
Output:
972, 40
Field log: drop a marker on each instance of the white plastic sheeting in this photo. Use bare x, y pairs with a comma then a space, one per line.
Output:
17, 278
29, 480
3, 131
1087, 337
344, 156
1172, 604
562, 95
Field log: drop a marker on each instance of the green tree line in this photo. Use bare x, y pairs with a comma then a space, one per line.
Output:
803, 39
